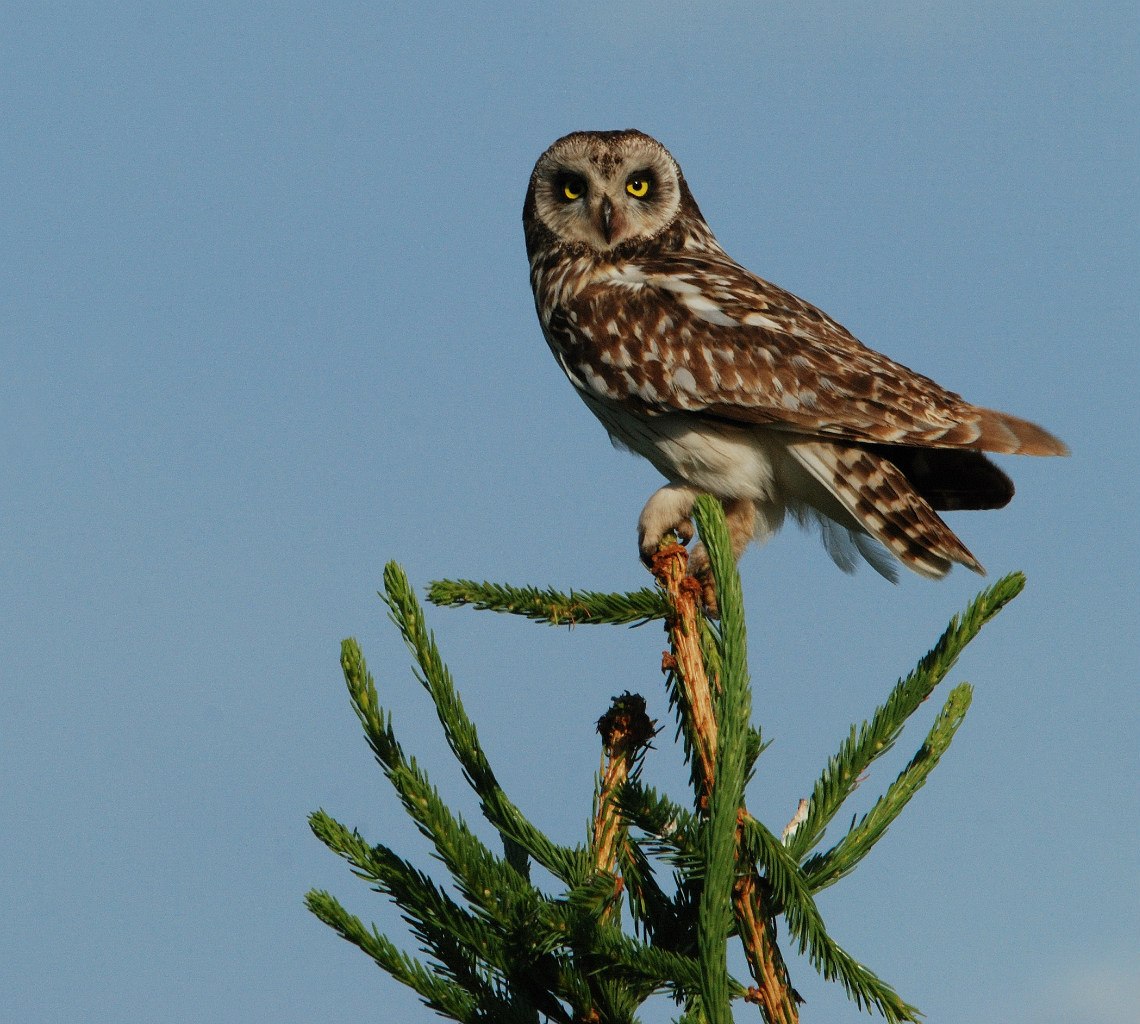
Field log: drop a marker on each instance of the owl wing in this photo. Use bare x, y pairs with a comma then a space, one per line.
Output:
701, 334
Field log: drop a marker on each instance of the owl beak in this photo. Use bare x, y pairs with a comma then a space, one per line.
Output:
605, 218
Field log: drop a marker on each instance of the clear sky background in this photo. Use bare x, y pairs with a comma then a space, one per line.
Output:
266, 324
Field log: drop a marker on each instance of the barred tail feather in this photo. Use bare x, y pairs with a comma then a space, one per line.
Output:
878, 497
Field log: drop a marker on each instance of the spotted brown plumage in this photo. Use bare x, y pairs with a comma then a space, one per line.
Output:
731, 385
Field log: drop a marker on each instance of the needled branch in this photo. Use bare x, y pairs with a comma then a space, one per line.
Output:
773, 991
499, 948
877, 735
732, 889
579, 607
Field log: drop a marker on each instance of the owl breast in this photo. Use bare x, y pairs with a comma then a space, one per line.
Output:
723, 459
626, 365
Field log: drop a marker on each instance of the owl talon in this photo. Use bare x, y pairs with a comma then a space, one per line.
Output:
701, 571
708, 596
683, 532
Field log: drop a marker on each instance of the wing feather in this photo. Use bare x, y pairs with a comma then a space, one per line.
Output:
709, 337
879, 498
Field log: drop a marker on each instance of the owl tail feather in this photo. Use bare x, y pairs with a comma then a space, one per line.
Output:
878, 496
1011, 435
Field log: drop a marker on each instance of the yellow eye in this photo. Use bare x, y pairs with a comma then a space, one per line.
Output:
638, 186
573, 188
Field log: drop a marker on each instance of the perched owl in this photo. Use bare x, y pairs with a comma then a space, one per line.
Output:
732, 386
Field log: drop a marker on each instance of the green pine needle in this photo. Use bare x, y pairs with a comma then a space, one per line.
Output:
453, 935
733, 713
795, 901
500, 950
671, 828
480, 874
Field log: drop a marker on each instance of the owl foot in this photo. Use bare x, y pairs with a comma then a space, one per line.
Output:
667, 511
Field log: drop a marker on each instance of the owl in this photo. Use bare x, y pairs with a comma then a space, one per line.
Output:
732, 386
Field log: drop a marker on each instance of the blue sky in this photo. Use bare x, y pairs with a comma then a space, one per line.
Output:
266, 325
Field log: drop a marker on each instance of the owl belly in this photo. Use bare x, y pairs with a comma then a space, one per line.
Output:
722, 459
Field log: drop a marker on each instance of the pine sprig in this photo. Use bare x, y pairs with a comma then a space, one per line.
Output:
454, 936
654, 913
577, 608
443, 996
671, 828
660, 970
478, 872
876, 736
501, 950
825, 869
794, 898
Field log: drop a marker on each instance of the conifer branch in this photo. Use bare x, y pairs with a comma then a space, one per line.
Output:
578, 608
672, 830
733, 713
511, 954
875, 737
626, 732
716, 720
654, 914
686, 664
452, 935
773, 993
515, 944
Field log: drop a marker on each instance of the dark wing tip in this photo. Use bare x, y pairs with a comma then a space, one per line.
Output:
950, 478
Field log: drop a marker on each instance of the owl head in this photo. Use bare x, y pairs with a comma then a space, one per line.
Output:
605, 193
